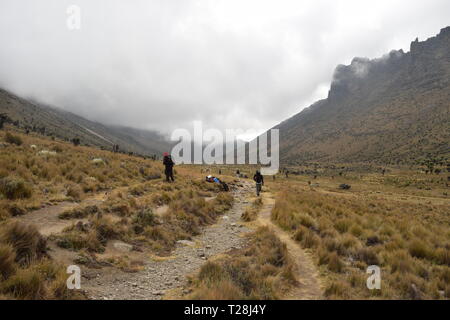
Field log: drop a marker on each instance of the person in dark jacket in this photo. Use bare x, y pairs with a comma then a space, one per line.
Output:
259, 179
168, 163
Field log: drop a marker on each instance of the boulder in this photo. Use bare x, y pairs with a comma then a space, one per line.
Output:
122, 246
186, 242
98, 161
47, 153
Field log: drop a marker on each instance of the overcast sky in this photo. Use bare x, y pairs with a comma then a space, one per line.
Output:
161, 64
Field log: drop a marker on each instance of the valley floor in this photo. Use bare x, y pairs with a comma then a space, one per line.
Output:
136, 236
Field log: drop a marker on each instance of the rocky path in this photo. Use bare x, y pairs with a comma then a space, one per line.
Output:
163, 275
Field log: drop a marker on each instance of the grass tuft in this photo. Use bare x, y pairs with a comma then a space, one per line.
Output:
27, 242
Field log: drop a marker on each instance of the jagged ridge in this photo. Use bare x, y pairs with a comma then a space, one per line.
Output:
394, 109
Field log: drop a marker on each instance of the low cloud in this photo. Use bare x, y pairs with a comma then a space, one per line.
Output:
231, 64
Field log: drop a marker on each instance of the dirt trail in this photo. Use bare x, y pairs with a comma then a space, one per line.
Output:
161, 276
309, 287
165, 275
47, 221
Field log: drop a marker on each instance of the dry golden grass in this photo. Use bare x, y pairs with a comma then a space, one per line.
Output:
40, 171
409, 240
262, 271
135, 221
26, 241
25, 270
251, 212
388, 221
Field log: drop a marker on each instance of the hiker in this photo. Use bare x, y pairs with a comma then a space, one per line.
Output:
287, 174
238, 173
259, 179
168, 163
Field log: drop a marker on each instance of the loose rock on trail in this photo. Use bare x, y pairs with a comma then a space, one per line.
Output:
161, 275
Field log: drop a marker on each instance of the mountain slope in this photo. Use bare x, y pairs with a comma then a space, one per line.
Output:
395, 109
65, 125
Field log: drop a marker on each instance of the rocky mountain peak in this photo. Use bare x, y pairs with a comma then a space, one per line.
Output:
389, 109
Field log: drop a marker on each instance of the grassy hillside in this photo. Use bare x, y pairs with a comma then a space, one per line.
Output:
109, 196
65, 125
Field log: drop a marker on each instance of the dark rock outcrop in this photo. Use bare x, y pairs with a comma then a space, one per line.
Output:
394, 109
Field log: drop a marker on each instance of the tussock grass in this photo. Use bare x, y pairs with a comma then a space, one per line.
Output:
14, 188
409, 241
79, 213
92, 236
125, 264
75, 192
251, 212
41, 170
25, 284
7, 261
139, 225
26, 241
10, 138
25, 271
144, 218
261, 271
185, 217
77, 240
